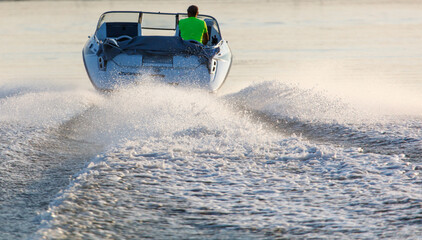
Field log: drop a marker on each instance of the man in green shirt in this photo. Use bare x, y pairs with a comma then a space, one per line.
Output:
192, 28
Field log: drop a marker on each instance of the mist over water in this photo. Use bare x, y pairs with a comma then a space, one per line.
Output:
316, 134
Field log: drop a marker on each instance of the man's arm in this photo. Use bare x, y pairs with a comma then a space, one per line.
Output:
205, 38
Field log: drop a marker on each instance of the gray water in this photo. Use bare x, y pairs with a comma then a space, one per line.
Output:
316, 133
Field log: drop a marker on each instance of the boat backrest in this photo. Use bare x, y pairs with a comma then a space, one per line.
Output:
117, 29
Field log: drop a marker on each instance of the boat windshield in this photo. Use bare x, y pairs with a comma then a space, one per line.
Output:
166, 22
159, 21
202, 17
133, 17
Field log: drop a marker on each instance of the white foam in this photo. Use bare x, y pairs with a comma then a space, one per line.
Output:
185, 154
45, 107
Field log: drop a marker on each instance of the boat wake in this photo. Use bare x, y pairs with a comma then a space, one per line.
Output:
38, 153
314, 116
162, 161
183, 163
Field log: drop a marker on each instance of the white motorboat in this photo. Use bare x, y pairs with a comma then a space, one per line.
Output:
130, 47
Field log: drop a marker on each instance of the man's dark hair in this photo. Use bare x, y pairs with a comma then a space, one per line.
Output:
192, 11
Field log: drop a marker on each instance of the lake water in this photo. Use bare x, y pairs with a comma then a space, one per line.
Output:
317, 132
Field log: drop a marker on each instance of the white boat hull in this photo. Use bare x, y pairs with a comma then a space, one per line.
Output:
179, 69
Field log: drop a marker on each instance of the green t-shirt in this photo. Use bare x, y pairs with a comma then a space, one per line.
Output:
192, 28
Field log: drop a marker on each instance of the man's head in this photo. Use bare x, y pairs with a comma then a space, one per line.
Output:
192, 11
